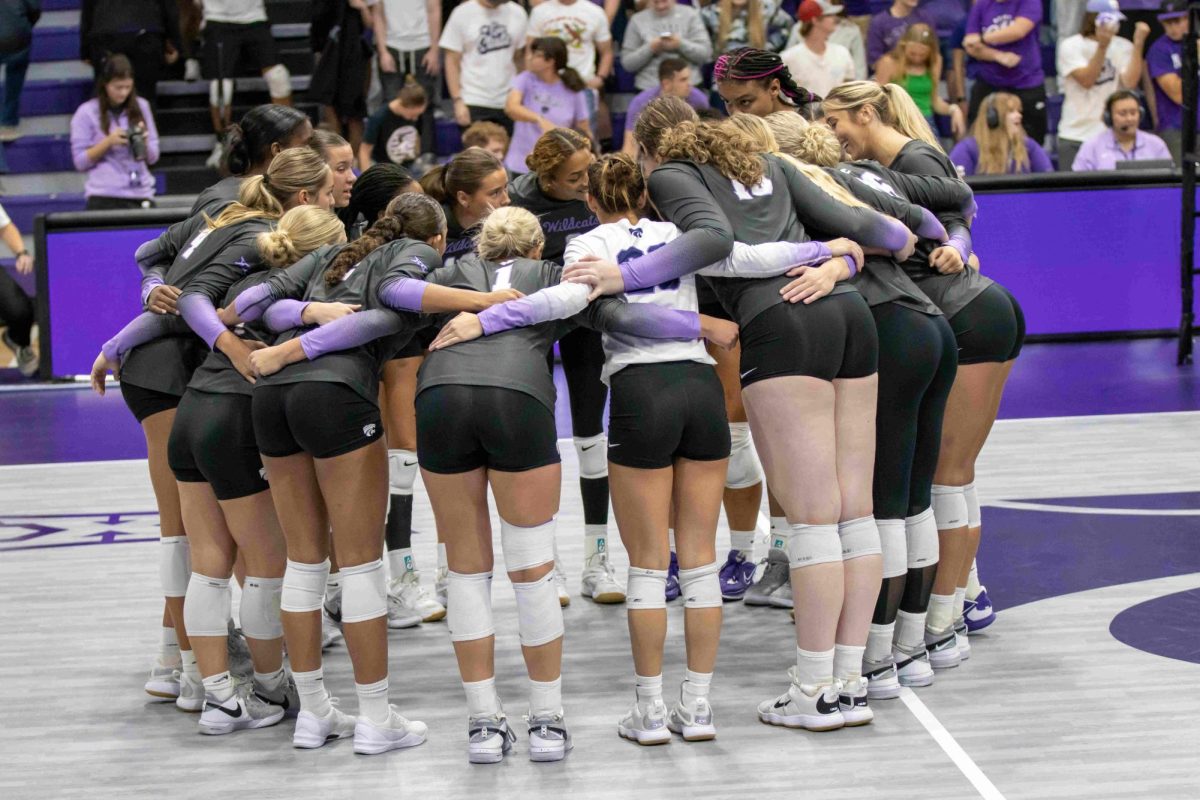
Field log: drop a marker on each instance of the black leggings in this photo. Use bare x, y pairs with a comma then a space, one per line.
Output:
582, 360
990, 329
917, 364
16, 309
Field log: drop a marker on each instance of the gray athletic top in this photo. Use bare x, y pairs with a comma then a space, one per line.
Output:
214, 199
217, 374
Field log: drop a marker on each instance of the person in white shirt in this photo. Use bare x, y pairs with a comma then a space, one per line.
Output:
584, 27
483, 44
406, 49
816, 63
1092, 65
849, 35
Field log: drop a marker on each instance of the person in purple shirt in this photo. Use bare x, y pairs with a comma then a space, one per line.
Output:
998, 144
889, 25
1123, 141
548, 95
674, 78
1002, 35
1164, 63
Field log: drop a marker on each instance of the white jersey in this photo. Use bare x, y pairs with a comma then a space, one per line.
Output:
621, 241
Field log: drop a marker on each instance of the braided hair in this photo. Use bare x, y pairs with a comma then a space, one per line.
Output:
760, 66
373, 190
409, 215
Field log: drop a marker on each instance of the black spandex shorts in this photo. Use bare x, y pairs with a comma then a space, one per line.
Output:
212, 441
990, 328
661, 412
323, 419
832, 338
143, 403
461, 428
230, 46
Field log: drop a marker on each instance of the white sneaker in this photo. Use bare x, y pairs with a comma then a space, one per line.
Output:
331, 631
599, 583
441, 586
549, 739
27, 359
214, 159
395, 734
244, 710
489, 739
163, 683
852, 699
912, 669
943, 649
693, 721
962, 640
560, 583
191, 694
645, 724
813, 708
882, 681
406, 596
313, 731
287, 696
191, 70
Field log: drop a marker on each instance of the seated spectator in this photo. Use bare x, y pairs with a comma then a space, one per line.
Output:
1003, 36
16, 307
1164, 63
746, 23
406, 34
487, 136
1122, 141
114, 140
146, 32
998, 144
888, 26
664, 30
1092, 65
17, 18
393, 133
483, 44
916, 64
548, 95
848, 34
674, 78
816, 63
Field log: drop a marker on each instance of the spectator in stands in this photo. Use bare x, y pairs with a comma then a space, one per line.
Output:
664, 30
746, 23
343, 67
405, 35
816, 63
487, 136
17, 18
1164, 63
584, 27
888, 26
144, 31
847, 33
16, 307
483, 45
1122, 141
674, 78
548, 95
1092, 65
1003, 36
114, 140
393, 132
998, 144
916, 64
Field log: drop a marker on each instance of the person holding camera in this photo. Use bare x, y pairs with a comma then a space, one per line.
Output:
114, 140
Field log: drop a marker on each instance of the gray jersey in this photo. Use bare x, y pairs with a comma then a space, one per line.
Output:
216, 198
217, 374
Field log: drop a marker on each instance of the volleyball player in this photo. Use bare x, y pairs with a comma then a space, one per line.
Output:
884, 124
469, 186
757, 82
371, 193
340, 157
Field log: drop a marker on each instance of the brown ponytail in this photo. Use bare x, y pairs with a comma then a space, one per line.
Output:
409, 215
615, 182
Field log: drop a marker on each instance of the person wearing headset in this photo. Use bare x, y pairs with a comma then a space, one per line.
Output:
1121, 141
998, 144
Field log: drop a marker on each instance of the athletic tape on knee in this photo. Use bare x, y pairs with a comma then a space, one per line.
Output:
539, 614
894, 544
974, 512
949, 507
810, 545
364, 592
646, 589
526, 547
402, 471
303, 586
206, 606
700, 586
744, 470
174, 565
279, 82
593, 456
860, 537
261, 598
921, 532
469, 606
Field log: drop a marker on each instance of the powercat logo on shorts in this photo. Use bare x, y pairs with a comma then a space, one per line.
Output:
369, 430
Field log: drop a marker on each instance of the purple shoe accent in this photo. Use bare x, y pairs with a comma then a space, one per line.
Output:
978, 613
673, 578
737, 574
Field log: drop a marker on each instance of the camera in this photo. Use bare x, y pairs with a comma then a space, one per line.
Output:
137, 143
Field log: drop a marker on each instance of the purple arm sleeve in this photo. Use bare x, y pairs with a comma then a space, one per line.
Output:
285, 315
931, 227
145, 327
149, 281
253, 303
403, 294
649, 321
555, 302
962, 244
679, 258
197, 310
352, 330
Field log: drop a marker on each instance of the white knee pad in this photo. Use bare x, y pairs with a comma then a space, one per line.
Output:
260, 608
949, 507
593, 456
469, 606
279, 82
894, 544
206, 607
860, 537
174, 565
646, 589
974, 512
813, 544
364, 592
526, 547
303, 586
700, 586
220, 93
539, 614
402, 471
745, 470
922, 534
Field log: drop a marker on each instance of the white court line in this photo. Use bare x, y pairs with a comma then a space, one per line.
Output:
1113, 512
987, 790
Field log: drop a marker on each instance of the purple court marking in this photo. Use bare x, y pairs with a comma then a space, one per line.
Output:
42, 531
1150, 502
1165, 626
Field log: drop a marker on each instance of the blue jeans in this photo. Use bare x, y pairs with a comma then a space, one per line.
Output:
14, 65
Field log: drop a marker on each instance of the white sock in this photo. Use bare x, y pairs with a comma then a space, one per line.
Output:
847, 662
595, 540
442, 562
671, 539
879, 642
696, 686
780, 533
973, 585
648, 688
188, 659
373, 701
743, 542
482, 700
168, 654
401, 562
270, 681
910, 631
314, 697
220, 686
814, 668
545, 697
960, 597
941, 613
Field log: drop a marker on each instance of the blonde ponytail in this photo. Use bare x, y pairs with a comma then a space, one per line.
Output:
299, 232
892, 104
908, 119
294, 170
509, 232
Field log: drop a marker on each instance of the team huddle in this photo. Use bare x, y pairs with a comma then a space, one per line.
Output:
765, 301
